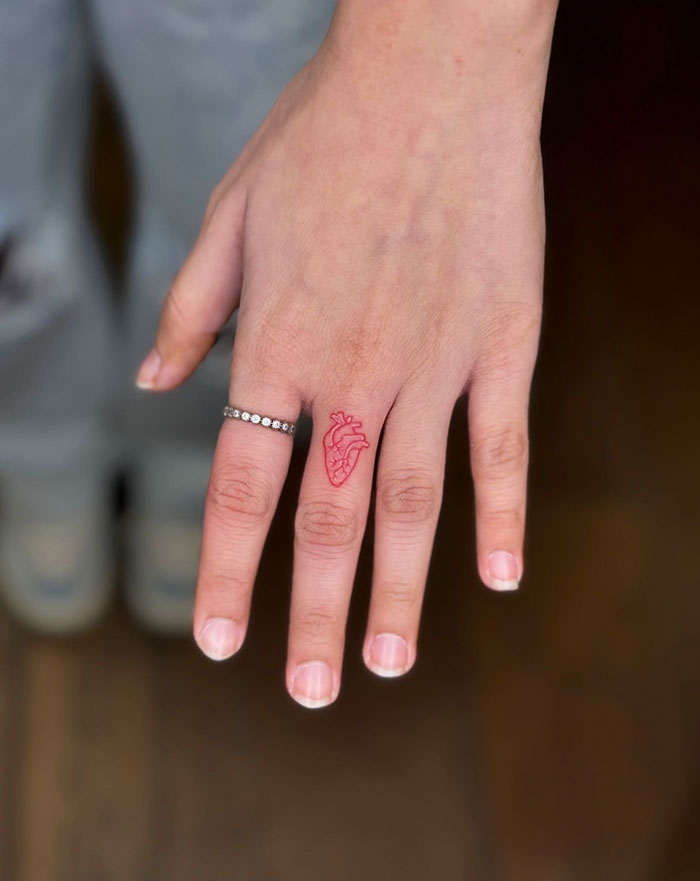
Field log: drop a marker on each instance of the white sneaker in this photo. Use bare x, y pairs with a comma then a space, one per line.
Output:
56, 551
163, 534
163, 538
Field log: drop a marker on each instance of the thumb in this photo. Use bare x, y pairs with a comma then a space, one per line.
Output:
202, 297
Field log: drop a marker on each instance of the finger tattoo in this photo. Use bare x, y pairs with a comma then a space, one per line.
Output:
342, 444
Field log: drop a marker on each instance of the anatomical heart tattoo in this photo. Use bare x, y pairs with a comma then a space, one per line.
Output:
342, 444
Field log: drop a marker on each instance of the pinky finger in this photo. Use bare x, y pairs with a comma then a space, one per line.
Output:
499, 458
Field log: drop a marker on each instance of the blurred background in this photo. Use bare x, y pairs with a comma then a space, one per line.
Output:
547, 736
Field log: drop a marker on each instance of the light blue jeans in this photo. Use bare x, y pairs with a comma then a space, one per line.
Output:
193, 79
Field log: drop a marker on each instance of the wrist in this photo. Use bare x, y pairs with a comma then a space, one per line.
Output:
447, 51
484, 20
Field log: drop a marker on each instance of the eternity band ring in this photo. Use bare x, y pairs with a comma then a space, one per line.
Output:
256, 419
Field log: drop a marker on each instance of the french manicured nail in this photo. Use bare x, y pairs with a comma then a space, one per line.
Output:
220, 638
312, 684
388, 655
503, 570
149, 370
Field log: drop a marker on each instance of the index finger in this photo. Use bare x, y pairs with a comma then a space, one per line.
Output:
250, 464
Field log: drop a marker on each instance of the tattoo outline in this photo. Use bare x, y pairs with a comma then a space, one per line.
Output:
342, 445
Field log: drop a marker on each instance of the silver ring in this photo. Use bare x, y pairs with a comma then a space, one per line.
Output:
256, 419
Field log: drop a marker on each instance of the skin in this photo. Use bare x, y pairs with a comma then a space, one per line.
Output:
382, 234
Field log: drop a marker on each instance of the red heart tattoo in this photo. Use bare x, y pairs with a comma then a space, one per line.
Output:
342, 444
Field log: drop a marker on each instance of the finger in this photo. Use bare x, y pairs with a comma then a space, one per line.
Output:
410, 479
202, 298
250, 465
498, 404
329, 526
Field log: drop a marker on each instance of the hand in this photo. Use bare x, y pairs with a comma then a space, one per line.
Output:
382, 235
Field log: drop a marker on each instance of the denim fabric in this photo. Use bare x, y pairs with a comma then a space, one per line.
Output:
193, 79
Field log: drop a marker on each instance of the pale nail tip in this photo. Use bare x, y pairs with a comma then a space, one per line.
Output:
384, 672
497, 584
145, 384
312, 703
214, 656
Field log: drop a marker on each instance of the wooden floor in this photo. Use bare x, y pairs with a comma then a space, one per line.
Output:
547, 736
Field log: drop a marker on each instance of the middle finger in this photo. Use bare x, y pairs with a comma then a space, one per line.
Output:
330, 523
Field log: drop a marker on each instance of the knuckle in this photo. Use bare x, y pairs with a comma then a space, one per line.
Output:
240, 493
324, 524
398, 594
179, 326
504, 451
519, 325
515, 320
354, 360
226, 587
214, 200
276, 341
174, 317
410, 496
266, 346
502, 519
316, 626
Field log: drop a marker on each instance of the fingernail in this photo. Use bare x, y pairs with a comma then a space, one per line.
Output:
220, 638
312, 684
503, 570
388, 655
149, 370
